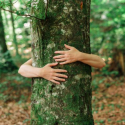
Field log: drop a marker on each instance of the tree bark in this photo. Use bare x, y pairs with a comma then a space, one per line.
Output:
6, 63
62, 22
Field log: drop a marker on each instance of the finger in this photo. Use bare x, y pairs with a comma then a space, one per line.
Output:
60, 56
67, 46
63, 59
60, 70
55, 81
61, 75
53, 64
64, 62
60, 79
61, 52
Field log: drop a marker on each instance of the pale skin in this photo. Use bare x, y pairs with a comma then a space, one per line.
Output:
54, 75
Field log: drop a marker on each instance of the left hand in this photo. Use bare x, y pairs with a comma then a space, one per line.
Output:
68, 56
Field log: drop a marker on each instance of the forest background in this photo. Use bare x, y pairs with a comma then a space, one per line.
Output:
107, 27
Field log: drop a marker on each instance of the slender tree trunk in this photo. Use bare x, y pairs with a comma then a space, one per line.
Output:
5, 15
6, 63
3, 46
62, 22
13, 27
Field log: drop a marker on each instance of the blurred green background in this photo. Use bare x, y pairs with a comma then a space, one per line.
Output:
107, 31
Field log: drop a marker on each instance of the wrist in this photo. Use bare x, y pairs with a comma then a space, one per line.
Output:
40, 72
81, 56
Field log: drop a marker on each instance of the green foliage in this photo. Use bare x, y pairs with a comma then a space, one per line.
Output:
6, 63
3, 86
108, 73
107, 85
3, 97
4, 3
22, 9
14, 83
107, 27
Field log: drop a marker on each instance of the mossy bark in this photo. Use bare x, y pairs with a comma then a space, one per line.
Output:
61, 22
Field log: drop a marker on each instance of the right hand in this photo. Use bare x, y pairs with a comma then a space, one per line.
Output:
51, 73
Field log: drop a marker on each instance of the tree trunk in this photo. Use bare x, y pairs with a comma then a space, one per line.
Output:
6, 63
3, 46
6, 20
62, 22
13, 27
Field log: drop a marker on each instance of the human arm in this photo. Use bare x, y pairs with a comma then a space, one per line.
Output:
74, 55
91, 59
27, 70
51, 74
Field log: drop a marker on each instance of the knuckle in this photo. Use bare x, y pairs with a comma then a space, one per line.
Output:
66, 55
54, 74
50, 78
48, 64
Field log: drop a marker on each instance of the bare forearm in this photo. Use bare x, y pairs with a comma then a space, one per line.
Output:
91, 59
29, 71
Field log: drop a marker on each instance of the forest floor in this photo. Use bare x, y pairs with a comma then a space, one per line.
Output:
107, 100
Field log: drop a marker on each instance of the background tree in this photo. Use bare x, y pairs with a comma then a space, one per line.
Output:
61, 22
13, 27
6, 21
5, 58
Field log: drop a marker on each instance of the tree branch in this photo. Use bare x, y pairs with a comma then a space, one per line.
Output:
20, 14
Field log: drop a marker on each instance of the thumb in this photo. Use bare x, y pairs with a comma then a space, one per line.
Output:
67, 46
53, 64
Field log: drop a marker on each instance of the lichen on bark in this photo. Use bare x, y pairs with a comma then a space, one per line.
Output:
69, 103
